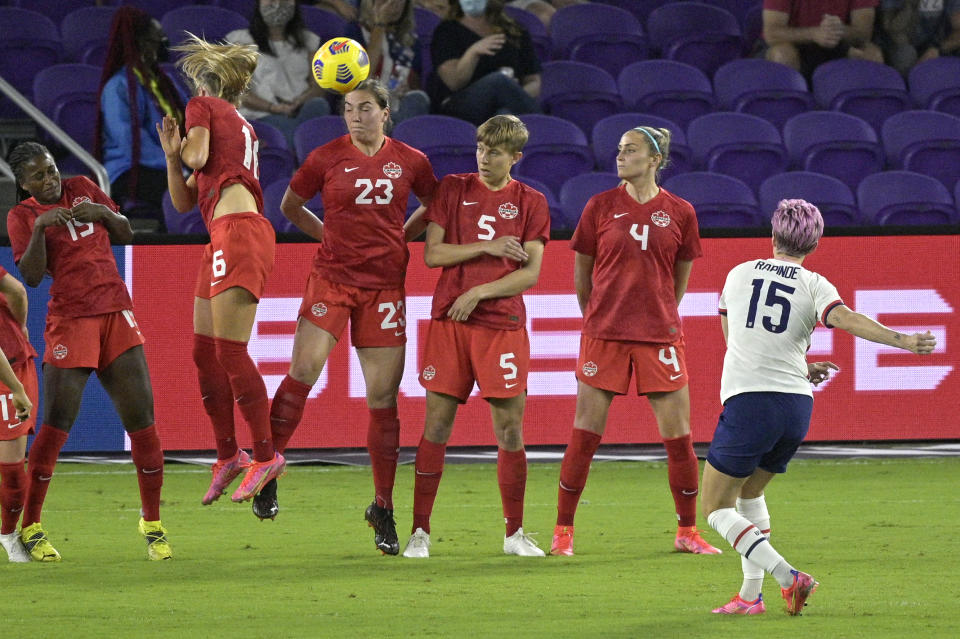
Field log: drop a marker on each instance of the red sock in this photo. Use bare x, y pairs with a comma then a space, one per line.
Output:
383, 444
512, 477
573, 473
40, 464
216, 394
148, 458
683, 472
13, 487
250, 394
429, 470
286, 411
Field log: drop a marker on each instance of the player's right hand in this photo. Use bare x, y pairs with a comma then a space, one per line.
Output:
23, 406
507, 246
58, 216
922, 343
169, 134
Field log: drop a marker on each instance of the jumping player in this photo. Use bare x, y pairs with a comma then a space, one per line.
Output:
221, 148
358, 275
488, 232
64, 228
768, 310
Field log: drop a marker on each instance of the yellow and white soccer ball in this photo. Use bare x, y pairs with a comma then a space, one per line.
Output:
340, 64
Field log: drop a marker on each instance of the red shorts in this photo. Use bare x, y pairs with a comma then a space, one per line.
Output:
90, 342
377, 316
240, 253
11, 427
606, 364
457, 354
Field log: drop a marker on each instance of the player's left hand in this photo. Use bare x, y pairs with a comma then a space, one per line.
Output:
88, 212
819, 372
23, 405
463, 306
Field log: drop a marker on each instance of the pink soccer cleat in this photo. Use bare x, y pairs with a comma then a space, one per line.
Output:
224, 472
796, 595
740, 606
562, 541
258, 474
689, 540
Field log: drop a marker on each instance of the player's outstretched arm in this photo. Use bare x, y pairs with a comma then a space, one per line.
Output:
869, 329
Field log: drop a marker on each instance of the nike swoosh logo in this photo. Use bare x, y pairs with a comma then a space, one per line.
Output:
346, 170
465, 203
512, 385
150, 471
398, 334
42, 478
616, 215
677, 376
215, 283
14, 425
425, 474
689, 493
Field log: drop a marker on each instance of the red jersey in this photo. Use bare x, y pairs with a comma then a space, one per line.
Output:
635, 247
79, 257
233, 154
469, 212
364, 204
14, 343
809, 13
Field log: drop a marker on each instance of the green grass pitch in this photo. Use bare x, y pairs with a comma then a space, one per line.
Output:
879, 535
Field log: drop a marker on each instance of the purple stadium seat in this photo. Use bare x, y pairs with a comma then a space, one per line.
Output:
51, 8
833, 143
738, 8
579, 92
666, 88
743, 146
86, 34
925, 142
316, 132
555, 150
720, 200
243, 7
639, 8
180, 82
178, 223
695, 33
548, 193
325, 24
273, 196
451, 144
775, 92
276, 160
935, 84
156, 8
425, 22
868, 90
534, 26
67, 94
575, 194
608, 131
208, 22
29, 42
752, 28
905, 198
834, 198
605, 36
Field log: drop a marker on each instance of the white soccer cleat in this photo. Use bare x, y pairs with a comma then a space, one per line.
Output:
522, 545
15, 549
418, 546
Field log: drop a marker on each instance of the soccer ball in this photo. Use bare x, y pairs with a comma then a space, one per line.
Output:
340, 64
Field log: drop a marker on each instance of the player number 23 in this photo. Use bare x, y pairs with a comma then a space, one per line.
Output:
383, 195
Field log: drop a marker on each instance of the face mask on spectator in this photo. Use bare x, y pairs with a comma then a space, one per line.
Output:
473, 8
277, 15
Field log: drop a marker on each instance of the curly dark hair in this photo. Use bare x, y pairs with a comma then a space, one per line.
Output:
18, 158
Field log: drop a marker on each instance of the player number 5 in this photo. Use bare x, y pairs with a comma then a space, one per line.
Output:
506, 364
484, 223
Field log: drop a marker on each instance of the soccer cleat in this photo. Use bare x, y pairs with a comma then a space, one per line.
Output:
385, 529
740, 606
418, 546
691, 541
16, 552
158, 548
796, 595
265, 504
258, 474
562, 541
520, 544
224, 472
37, 544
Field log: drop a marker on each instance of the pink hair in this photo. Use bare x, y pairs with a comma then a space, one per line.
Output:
797, 227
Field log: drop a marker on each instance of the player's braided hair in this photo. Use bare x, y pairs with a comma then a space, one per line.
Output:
18, 158
224, 69
127, 29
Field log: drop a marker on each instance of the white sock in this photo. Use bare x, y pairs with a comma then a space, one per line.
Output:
755, 511
747, 540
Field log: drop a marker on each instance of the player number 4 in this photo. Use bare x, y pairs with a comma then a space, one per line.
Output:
671, 359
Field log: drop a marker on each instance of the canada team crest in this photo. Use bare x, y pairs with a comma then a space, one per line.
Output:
429, 373
319, 309
60, 351
660, 218
589, 369
508, 211
392, 170
80, 199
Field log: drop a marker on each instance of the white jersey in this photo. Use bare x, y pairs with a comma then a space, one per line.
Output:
772, 307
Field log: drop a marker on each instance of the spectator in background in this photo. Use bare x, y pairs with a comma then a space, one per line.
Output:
386, 29
912, 31
544, 9
484, 63
439, 7
134, 94
804, 34
282, 93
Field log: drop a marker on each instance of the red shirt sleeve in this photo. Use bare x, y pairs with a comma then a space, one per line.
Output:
308, 180
690, 243
19, 228
538, 222
197, 114
425, 183
584, 238
439, 209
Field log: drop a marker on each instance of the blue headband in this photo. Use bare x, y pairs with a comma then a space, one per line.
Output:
647, 133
